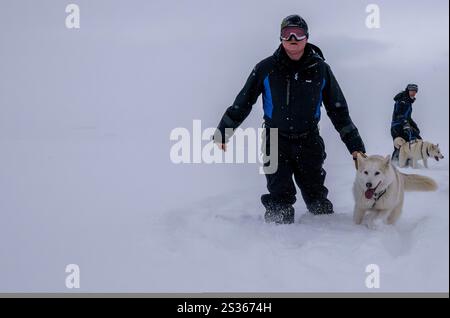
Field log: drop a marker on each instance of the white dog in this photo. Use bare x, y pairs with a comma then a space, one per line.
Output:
379, 189
415, 151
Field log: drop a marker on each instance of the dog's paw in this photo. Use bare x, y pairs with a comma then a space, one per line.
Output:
372, 226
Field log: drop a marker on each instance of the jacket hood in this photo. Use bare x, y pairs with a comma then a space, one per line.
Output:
404, 95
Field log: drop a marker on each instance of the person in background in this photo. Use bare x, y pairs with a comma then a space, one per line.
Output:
402, 123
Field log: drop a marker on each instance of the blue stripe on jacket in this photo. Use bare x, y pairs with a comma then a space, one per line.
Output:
319, 104
267, 98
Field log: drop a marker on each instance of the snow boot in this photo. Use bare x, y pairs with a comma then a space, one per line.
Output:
277, 212
320, 207
281, 216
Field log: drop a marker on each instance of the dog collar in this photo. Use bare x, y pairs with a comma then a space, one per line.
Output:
378, 196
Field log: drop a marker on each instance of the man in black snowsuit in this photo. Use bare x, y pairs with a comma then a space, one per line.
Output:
294, 82
402, 123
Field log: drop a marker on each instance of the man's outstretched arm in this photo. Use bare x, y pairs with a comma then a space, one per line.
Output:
241, 108
337, 110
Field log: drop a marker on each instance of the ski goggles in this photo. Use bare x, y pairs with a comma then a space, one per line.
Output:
293, 31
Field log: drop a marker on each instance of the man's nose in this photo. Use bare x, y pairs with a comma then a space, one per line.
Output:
369, 185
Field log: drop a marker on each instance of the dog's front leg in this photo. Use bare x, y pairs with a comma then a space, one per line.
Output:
358, 215
394, 215
371, 220
425, 162
402, 160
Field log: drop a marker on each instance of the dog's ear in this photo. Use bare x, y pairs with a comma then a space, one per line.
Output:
360, 159
387, 160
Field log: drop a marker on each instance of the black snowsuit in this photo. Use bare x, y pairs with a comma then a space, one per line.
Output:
402, 124
293, 92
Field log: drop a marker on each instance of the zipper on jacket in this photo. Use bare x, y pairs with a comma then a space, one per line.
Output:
288, 93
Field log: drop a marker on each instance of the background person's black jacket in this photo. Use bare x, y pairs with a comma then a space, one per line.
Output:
293, 92
402, 123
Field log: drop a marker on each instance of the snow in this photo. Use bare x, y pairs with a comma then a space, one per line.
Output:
219, 243
85, 175
238, 252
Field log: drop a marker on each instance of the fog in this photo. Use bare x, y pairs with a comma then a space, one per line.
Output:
86, 114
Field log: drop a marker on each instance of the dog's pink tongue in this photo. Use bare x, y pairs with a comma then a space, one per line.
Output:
369, 193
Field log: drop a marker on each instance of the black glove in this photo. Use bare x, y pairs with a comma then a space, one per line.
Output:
407, 127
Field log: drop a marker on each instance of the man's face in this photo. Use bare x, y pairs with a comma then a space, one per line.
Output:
294, 47
412, 94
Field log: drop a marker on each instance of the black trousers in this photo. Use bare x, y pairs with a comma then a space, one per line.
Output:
300, 160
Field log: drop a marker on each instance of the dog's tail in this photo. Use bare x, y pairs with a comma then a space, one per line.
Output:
399, 142
415, 182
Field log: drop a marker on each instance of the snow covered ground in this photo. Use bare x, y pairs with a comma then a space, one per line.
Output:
85, 174
70, 203
236, 251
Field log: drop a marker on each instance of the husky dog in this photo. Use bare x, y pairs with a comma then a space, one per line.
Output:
379, 189
415, 151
